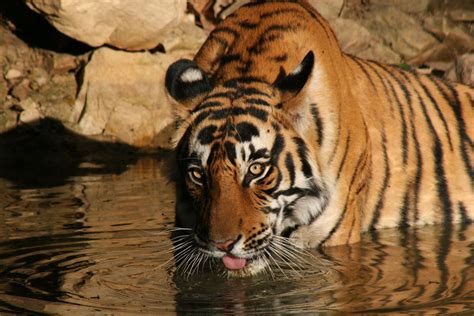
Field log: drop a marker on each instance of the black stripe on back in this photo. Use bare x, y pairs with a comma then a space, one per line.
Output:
248, 25
257, 101
252, 91
271, 14
227, 59
209, 104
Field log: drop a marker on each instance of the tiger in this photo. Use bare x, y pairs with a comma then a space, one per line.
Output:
283, 139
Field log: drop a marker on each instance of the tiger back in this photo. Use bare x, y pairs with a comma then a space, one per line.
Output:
284, 140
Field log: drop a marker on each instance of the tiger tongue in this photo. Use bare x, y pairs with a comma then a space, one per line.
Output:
233, 263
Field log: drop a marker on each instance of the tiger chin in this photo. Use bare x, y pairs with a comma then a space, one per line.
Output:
284, 142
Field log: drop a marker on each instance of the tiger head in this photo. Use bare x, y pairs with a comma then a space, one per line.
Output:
245, 162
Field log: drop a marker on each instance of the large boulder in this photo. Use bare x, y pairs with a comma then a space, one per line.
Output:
122, 96
356, 39
330, 9
409, 6
400, 31
125, 24
465, 69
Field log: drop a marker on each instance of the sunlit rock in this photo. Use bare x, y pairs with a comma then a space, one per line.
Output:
330, 9
357, 40
31, 111
402, 32
409, 6
122, 95
465, 69
130, 25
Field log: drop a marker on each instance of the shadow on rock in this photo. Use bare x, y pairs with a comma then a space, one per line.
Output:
45, 154
32, 28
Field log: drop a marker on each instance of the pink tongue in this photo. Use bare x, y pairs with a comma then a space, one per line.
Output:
233, 263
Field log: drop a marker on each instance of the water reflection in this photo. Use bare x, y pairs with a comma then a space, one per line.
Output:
99, 242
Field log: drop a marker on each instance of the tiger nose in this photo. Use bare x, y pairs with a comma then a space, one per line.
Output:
226, 245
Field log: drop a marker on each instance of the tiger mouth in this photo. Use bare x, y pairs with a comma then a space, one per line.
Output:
252, 267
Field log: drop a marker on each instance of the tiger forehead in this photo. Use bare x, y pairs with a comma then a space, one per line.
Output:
234, 109
234, 128
239, 92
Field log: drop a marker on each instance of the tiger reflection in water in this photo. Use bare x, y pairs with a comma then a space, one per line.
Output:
413, 270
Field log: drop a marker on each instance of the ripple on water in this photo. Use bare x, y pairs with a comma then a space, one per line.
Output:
100, 244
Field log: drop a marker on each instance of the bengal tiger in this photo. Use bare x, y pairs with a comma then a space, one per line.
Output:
283, 139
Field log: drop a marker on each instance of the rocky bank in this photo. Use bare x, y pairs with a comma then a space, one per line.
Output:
98, 68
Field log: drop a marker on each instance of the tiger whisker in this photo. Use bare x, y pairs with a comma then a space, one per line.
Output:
267, 265
287, 260
186, 263
269, 255
283, 241
200, 258
183, 251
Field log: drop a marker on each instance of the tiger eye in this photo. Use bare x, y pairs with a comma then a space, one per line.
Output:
256, 169
195, 175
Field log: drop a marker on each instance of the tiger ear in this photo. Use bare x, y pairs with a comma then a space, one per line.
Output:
290, 85
185, 83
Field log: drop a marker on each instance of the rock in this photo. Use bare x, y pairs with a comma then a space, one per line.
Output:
130, 25
437, 53
186, 38
64, 63
408, 6
465, 69
379, 52
57, 96
451, 75
31, 111
3, 90
8, 120
459, 10
400, 31
21, 90
13, 74
122, 95
357, 40
330, 9
16, 56
462, 15
39, 77
453, 34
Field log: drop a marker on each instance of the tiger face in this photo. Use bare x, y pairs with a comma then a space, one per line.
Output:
250, 175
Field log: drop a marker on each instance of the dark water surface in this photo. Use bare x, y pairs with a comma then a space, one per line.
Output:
98, 242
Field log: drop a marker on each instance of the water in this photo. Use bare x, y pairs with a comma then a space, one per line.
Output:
95, 240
